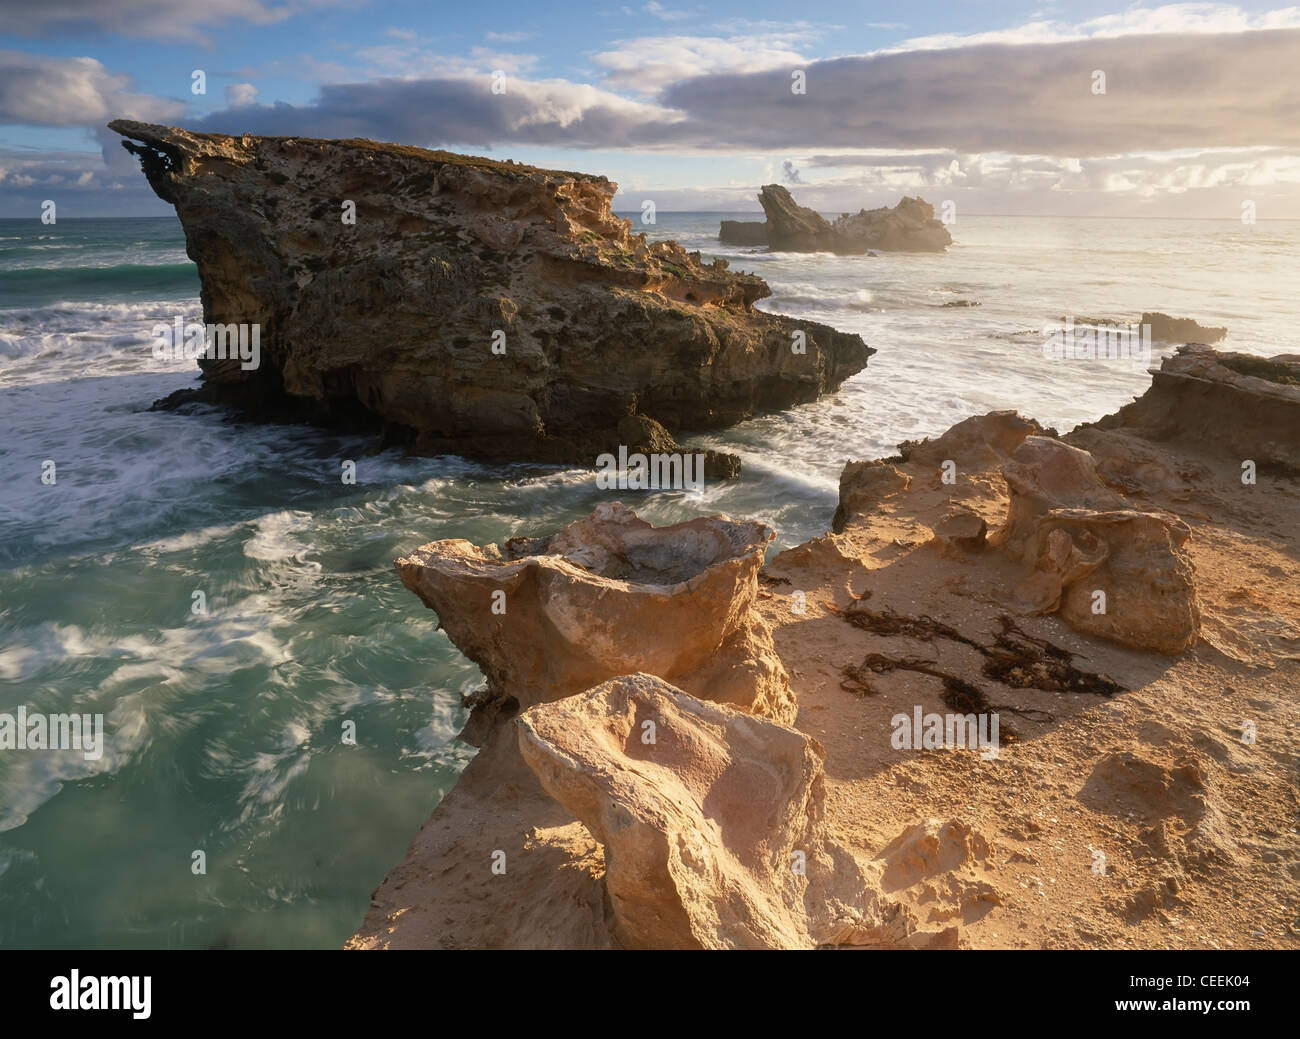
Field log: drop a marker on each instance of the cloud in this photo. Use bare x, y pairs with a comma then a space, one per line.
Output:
460, 111
666, 14
1180, 19
1163, 93
1198, 112
241, 94
37, 90
415, 60
78, 182
647, 65
1206, 184
149, 19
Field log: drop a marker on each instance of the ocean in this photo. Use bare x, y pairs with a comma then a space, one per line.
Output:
225, 725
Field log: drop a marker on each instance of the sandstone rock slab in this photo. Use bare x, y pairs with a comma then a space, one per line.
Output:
712, 821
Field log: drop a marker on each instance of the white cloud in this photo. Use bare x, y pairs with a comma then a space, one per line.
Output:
38, 90
648, 64
149, 19
1138, 21
239, 94
418, 60
666, 14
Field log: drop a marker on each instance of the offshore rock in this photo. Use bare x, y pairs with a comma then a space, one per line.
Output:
469, 306
1180, 329
908, 227
743, 232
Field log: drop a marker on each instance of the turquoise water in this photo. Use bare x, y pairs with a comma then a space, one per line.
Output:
225, 728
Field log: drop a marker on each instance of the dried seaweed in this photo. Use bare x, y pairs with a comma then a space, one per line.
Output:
1016, 658
887, 622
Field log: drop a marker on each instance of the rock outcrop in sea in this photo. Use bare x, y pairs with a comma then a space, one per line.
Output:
467, 305
1168, 329
909, 227
743, 232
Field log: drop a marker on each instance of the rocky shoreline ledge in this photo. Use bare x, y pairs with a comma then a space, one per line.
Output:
682, 749
468, 306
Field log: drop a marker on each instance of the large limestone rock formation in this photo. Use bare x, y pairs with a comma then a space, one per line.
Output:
607, 595
712, 822
792, 227
908, 227
1109, 569
391, 321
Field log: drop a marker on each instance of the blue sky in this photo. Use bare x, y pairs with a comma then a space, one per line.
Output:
992, 104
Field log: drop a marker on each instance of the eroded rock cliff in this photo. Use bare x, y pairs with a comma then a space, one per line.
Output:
473, 306
1238, 405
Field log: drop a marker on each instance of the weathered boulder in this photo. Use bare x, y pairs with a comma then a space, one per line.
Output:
712, 822
743, 232
960, 530
910, 226
1108, 569
643, 435
607, 595
863, 485
473, 306
1241, 405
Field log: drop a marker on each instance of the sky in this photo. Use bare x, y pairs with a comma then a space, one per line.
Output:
1009, 108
